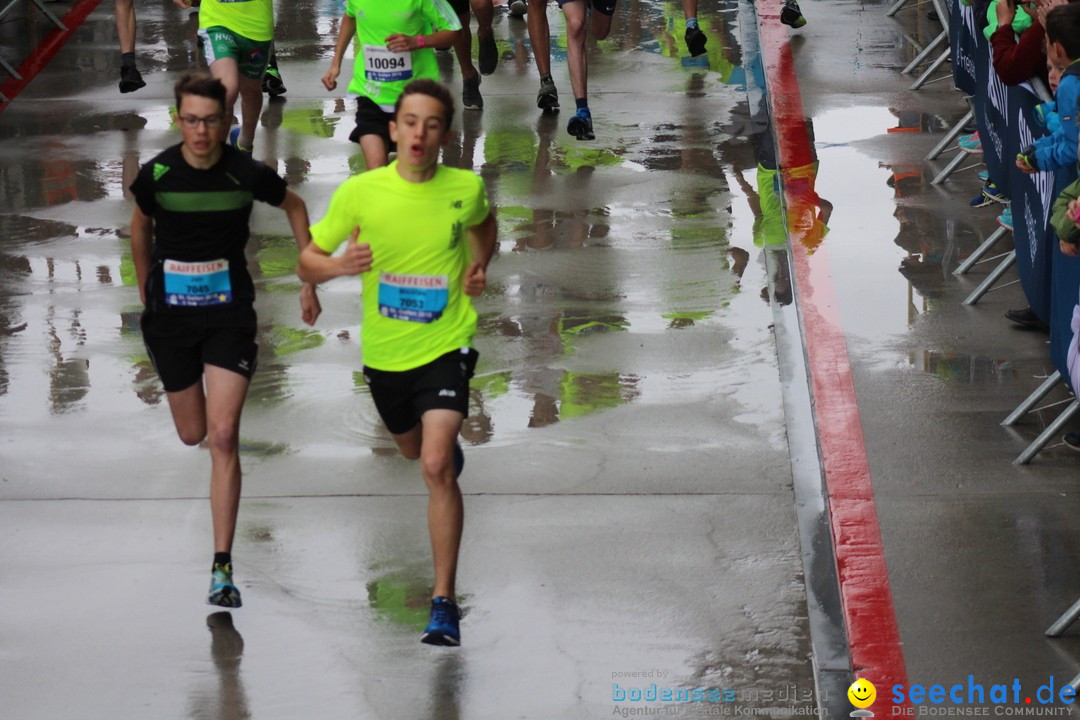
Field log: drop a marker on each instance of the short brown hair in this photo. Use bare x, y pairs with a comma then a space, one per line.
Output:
201, 84
432, 89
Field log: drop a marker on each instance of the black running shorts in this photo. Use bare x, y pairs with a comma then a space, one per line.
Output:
181, 343
604, 7
443, 384
372, 120
459, 6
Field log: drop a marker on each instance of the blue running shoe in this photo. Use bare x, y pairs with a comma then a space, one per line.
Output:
993, 192
580, 125
984, 175
223, 592
234, 140
1005, 219
442, 627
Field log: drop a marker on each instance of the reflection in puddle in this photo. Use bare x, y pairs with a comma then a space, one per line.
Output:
960, 367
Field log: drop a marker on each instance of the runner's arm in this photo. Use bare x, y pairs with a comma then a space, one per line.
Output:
142, 228
317, 265
346, 33
296, 211
481, 247
405, 43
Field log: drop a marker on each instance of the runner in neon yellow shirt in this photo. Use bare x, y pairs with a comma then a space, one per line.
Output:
395, 45
237, 36
427, 237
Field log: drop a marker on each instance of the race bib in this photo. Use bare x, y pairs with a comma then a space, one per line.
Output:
382, 65
197, 284
415, 298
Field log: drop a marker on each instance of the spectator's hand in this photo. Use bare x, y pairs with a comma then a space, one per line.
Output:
1069, 249
1022, 164
310, 307
475, 279
1072, 209
329, 80
357, 257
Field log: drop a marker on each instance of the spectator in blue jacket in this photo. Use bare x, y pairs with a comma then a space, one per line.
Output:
1057, 151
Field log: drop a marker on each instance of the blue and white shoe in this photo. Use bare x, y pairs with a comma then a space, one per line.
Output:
993, 192
234, 140
223, 592
984, 176
442, 627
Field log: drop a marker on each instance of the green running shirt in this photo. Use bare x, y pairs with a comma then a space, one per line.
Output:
414, 307
379, 74
253, 19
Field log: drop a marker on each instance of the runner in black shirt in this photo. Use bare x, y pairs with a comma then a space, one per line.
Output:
188, 233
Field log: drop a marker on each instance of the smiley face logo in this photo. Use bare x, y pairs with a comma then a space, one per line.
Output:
862, 693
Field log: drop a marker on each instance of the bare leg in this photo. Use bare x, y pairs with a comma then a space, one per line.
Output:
227, 71
433, 443
575, 47
375, 152
125, 25
251, 103
225, 393
446, 512
540, 35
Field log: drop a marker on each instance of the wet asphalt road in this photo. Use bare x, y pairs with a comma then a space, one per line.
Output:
629, 497
630, 504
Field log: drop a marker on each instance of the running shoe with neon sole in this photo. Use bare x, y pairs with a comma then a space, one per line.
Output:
792, 15
580, 125
695, 41
970, 144
223, 592
272, 84
443, 627
234, 140
547, 99
1005, 219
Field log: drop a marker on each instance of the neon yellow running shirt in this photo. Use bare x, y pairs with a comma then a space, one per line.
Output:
254, 19
414, 306
379, 74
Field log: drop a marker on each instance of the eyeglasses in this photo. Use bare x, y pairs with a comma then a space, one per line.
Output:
212, 122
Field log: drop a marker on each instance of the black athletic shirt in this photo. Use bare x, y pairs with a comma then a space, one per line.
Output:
202, 215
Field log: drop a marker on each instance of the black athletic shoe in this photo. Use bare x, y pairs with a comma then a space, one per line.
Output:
489, 54
272, 83
1072, 441
130, 79
1025, 318
695, 41
548, 97
792, 15
470, 94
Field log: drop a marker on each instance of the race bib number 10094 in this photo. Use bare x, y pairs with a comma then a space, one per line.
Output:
382, 65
